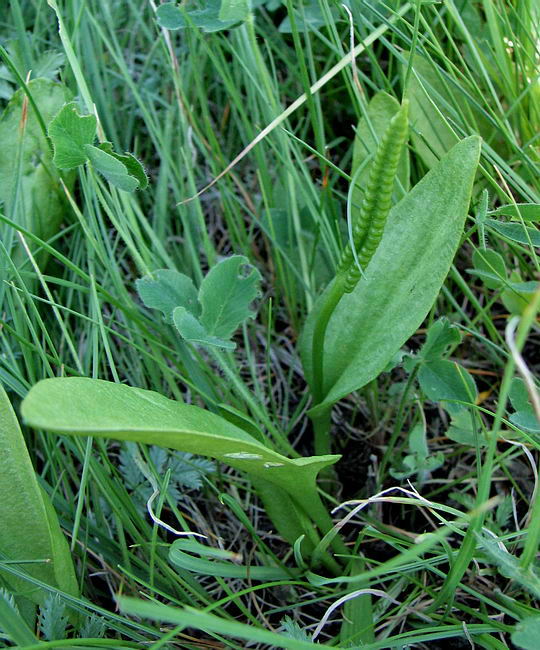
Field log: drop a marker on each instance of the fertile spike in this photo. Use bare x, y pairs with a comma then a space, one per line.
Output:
369, 227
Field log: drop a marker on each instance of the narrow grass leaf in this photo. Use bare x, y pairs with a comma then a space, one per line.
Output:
198, 558
190, 617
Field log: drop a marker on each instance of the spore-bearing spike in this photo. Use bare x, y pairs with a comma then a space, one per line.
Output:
368, 229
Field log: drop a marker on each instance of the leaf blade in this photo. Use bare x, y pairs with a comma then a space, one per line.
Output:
225, 295
26, 513
69, 406
70, 133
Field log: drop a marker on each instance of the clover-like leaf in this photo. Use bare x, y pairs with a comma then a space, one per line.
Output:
172, 16
490, 267
524, 416
463, 431
167, 289
440, 336
70, 133
447, 381
226, 294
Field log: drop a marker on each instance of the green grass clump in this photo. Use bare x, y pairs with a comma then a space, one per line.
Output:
435, 494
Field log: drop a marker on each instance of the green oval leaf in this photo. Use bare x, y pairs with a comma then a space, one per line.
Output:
402, 281
447, 381
30, 528
92, 407
166, 289
516, 232
40, 207
226, 294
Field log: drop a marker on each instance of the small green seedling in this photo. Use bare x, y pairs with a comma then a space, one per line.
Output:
446, 382
210, 316
73, 135
419, 461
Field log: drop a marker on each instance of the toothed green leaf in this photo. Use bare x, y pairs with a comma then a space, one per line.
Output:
70, 133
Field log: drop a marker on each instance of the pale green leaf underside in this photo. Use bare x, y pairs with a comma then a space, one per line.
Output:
191, 329
526, 633
166, 289
133, 166
113, 169
403, 279
92, 407
26, 514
